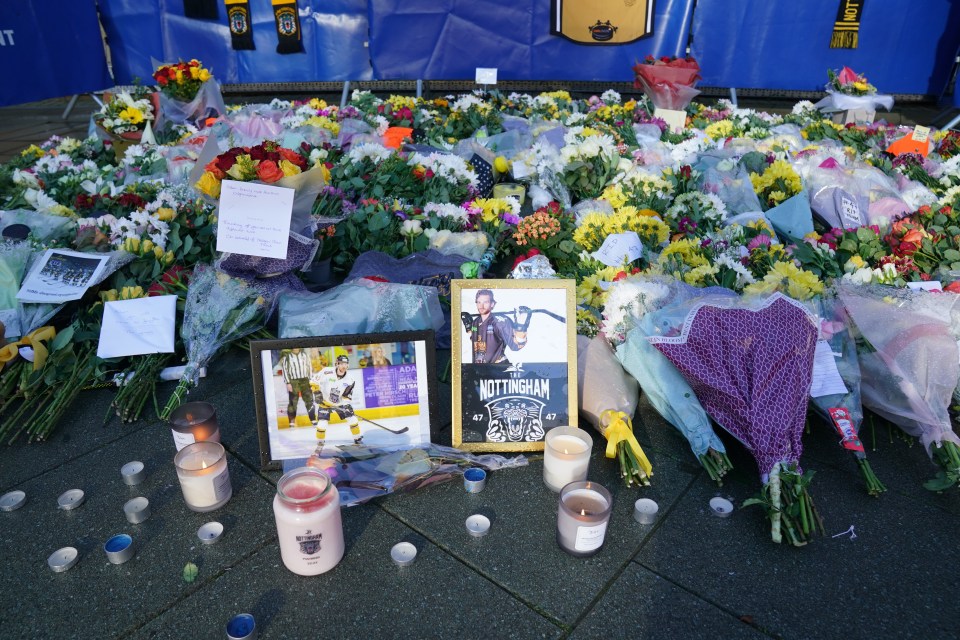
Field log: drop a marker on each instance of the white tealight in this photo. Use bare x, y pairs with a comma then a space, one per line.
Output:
63, 559
132, 473
137, 510
403, 553
721, 507
71, 499
645, 511
12, 500
478, 525
210, 532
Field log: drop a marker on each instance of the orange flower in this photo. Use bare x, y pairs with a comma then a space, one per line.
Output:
215, 170
914, 236
268, 171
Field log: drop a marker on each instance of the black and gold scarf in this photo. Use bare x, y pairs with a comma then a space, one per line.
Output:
846, 29
241, 24
288, 26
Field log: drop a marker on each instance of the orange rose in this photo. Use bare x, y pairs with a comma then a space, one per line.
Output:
292, 156
913, 236
215, 170
268, 171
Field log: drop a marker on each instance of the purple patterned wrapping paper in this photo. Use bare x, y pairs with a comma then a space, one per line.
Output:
751, 370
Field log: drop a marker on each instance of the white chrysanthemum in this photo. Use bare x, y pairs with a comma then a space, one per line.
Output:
950, 198
466, 102
445, 210
627, 302
688, 151
744, 277
446, 165
369, 151
802, 107
610, 97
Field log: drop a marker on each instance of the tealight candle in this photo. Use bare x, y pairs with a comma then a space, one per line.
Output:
63, 559
71, 499
119, 548
582, 518
133, 473
210, 532
136, 510
12, 500
566, 456
204, 477
721, 507
645, 511
242, 627
194, 422
307, 511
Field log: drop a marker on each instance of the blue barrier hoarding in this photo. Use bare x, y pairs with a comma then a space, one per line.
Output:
903, 47
52, 48
449, 39
334, 35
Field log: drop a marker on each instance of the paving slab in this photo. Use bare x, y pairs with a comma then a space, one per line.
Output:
520, 553
365, 595
896, 577
641, 604
96, 599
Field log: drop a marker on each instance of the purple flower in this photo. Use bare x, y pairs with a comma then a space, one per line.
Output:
510, 218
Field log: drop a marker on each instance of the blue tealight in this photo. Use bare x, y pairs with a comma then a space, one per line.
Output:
118, 543
475, 475
241, 626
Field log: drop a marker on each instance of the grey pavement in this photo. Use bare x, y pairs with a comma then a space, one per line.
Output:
688, 575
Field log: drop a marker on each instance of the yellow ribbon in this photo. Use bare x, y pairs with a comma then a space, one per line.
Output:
34, 340
619, 429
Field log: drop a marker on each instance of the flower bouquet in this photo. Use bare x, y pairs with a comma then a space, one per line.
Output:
125, 116
267, 163
849, 93
669, 83
188, 93
844, 411
548, 231
590, 160
755, 382
633, 313
219, 310
909, 360
608, 398
783, 199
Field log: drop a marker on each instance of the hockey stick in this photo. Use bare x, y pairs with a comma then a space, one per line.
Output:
377, 424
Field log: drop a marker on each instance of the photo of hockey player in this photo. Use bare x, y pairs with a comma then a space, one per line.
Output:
513, 353
374, 393
61, 275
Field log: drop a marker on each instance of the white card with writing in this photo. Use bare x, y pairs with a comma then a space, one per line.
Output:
930, 285
619, 248
254, 219
486, 75
674, 118
920, 134
138, 326
826, 377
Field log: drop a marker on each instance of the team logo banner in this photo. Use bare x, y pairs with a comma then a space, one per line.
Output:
602, 21
241, 27
846, 28
288, 26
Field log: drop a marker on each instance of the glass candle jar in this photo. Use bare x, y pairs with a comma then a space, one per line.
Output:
582, 518
203, 474
194, 422
566, 456
307, 511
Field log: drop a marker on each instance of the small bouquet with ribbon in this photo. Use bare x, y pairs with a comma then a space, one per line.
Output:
849, 91
608, 397
126, 118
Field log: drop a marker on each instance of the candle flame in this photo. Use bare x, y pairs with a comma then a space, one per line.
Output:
189, 417
204, 463
565, 452
583, 512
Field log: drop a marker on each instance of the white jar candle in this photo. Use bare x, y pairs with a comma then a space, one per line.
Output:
582, 518
204, 477
194, 422
566, 456
307, 511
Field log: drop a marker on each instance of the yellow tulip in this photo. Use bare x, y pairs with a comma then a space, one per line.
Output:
158, 253
501, 164
146, 247
131, 245
108, 296
166, 214
168, 258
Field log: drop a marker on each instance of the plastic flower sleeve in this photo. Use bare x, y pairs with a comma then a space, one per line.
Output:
608, 399
836, 101
207, 103
908, 357
362, 473
854, 196
844, 411
219, 310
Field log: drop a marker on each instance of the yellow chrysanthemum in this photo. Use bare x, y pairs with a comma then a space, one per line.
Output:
787, 278
719, 129
614, 195
131, 115
696, 276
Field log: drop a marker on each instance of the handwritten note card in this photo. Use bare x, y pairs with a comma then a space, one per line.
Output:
486, 75
929, 285
254, 219
138, 326
619, 248
826, 377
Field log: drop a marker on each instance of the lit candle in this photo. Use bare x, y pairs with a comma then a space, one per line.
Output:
566, 456
584, 512
204, 477
307, 511
194, 422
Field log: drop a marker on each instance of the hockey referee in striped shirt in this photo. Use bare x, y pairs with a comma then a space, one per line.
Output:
296, 369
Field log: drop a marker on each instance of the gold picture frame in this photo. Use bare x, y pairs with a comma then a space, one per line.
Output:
513, 362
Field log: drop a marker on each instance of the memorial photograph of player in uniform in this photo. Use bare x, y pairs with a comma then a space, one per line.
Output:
513, 358
374, 390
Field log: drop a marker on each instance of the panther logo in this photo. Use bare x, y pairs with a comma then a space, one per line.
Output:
286, 22
515, 420
238, 21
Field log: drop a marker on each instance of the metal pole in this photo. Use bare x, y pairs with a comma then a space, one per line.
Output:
346, 92
70, 106
733, 96
952, 123
419, 88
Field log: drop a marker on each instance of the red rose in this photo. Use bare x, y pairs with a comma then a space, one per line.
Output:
294, 157
268, 171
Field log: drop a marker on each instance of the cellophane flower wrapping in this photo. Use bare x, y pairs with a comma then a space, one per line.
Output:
361, 306
835, 330
836, 101
603, 385
908, 357
750, 363
13, 265
362, 473
219, 309
669, 85
206, 104
638, 308
852, 194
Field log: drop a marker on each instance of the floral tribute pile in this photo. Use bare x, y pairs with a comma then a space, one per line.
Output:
738, 209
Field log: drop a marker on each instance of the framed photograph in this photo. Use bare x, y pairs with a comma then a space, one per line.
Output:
375, 389
513, 362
